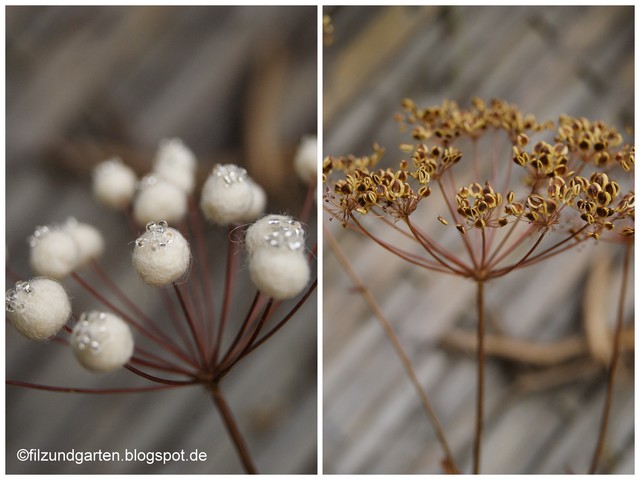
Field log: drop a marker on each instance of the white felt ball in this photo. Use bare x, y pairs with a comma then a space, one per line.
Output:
173, 152
181, 177
161, 255
159, 199
114, 183
277, 231
39, 308
258, 202
227, 195
88, 238
54, 253
279, 273
102, 342
306, 159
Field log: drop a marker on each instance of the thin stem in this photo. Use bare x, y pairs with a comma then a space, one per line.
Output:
102, 391
386, 325
243, 328
232, 428
613, 363
480, 386
520, 262
308, 202
282, 322
153, 378
187, 315
427, 248
226, 302
203, 261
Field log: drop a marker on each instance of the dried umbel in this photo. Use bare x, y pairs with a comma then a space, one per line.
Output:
38, 308
102, 342
161, 254
568, 186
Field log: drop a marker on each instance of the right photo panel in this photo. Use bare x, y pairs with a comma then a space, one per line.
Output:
478, 197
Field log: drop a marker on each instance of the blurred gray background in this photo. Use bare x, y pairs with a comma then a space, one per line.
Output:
238, 85
547, 60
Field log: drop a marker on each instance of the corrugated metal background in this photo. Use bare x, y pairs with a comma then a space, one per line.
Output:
547, 60
238, 84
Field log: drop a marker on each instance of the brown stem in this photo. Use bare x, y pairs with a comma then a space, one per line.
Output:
189, 317
480, 387
50, 388
404, 359
232, 428
611, 373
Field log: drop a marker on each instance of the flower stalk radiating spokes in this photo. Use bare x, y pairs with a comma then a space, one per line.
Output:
565, 194
196, 350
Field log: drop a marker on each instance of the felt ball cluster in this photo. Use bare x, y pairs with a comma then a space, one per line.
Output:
277, 262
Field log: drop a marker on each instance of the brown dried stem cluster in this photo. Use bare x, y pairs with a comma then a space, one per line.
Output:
541, 199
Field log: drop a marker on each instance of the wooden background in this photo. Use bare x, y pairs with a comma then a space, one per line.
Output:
237, 84
547, 60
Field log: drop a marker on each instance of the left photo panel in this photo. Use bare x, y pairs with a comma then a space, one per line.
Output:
161, 255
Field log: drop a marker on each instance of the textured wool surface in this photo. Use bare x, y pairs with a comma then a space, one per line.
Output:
88, 238
114, 183
164, 264
46, 309
102, 342
159, 200
54, 255
174, 153
224, 203
256, 235
258, 202
279, 273
306, 159
178, 175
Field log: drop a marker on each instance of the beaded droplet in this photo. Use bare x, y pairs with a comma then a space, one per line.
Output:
157, 236
148, 180
230, 174
285, 233
15, 301
40, 232
91, 332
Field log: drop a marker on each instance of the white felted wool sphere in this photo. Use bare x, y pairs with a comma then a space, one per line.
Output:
279, 273
306, 159
54, 253
88, 238
174, 153
182, 178
258, 202
161, 255
102, 342
279, 231
114, 183
227, 196
159, 199
39, 308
